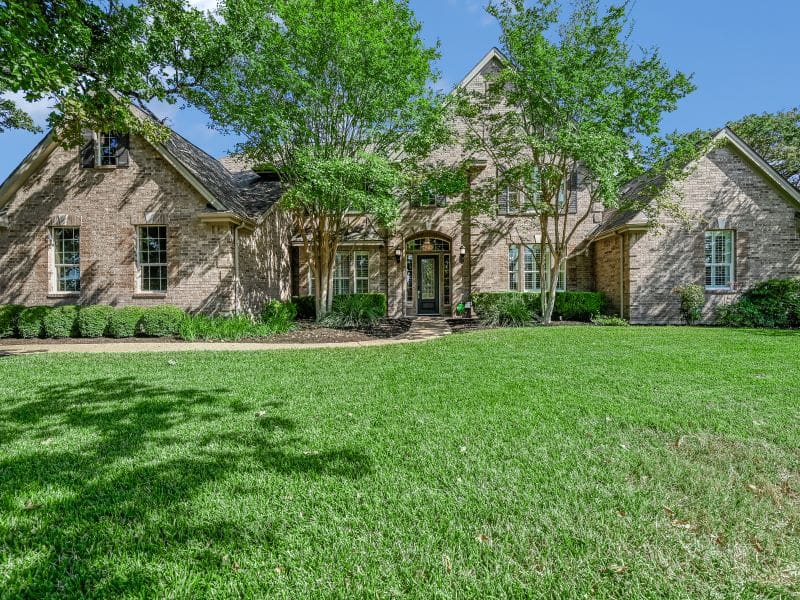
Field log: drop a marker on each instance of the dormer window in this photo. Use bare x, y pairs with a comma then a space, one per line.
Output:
105, 149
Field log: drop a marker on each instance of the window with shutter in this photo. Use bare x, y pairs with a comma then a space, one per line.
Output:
110, 149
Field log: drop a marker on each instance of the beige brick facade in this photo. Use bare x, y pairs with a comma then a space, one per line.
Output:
108, 204
637, 269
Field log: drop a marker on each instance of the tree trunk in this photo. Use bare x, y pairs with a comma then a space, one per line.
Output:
549, 293
324, 259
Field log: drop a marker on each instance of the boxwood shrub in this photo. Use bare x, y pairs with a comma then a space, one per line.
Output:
161, 321
356, 310
8, 319
61, 322
124, 322
30, 322
569, 306
774, 303
93, 320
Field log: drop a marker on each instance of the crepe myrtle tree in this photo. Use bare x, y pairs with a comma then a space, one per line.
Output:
92, 59
573, 106
333, 95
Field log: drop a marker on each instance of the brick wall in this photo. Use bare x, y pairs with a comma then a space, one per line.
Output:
107, 205
767, 244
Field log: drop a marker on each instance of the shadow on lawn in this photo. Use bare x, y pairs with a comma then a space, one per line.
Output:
91, 515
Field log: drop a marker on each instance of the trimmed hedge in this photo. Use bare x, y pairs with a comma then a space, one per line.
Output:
93, 320
8, 319
30, 322
202, 327
306, 306
161, 321
569, 306
61, 322
773, 304
124, 322
355, 310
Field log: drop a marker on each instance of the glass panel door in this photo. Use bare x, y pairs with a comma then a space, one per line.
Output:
428, 285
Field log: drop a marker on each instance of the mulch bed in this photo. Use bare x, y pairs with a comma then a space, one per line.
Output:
306, 332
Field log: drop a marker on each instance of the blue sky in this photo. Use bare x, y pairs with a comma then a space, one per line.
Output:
743, 55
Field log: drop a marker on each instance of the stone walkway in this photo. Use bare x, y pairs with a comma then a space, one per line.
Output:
422, 329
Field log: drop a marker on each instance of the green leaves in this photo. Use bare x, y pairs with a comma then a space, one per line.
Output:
776, 137
93, 58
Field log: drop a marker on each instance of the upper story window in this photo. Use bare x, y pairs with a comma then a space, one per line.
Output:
105, 149
152, 259
719, 259
66, 259
512, 200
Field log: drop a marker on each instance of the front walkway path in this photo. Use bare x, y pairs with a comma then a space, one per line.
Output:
422, 329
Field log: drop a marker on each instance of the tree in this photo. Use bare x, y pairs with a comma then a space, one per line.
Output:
93, 58
332, 95
776, 137
572, 101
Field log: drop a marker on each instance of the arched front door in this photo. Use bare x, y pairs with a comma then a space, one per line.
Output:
428, 274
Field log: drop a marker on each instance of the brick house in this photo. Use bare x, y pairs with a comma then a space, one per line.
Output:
124, 221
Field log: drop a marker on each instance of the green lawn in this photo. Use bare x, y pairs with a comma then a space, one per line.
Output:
564, 461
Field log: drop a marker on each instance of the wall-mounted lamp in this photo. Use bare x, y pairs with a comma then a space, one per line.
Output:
398, 254
462, 252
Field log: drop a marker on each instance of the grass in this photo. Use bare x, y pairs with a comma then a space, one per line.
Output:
633, 462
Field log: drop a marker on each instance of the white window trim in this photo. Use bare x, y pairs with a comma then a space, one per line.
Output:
54, 291
352, 277
139, 265
521, 270
98, 149
731, 265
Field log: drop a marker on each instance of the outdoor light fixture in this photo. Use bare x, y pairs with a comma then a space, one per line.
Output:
462, 252
398, 254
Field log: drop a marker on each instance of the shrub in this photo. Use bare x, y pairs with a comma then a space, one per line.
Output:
306, 306
202, 327
774, 303
279, 315
30, 322
609, 321
356, 310
93, 320
572, 306
161, 321
124, 322
693, 297
8, 319
579, 306
61, 322
484, 302
509, 310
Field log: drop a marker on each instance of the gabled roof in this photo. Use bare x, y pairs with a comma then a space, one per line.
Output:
637, 190
493, 54
247, 198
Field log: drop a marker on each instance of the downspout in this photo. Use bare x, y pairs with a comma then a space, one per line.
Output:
236, 268
621, 275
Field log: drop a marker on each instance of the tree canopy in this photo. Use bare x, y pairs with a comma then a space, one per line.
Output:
776, 137
92, 58
572, 100
334, 94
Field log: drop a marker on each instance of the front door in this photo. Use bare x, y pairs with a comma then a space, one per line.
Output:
427, 285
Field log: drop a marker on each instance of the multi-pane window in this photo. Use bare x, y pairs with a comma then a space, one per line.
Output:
362, 272
508, 201
66, 259
341, 274
513, 268
108, 145
152, 258
528, 269
719, 259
